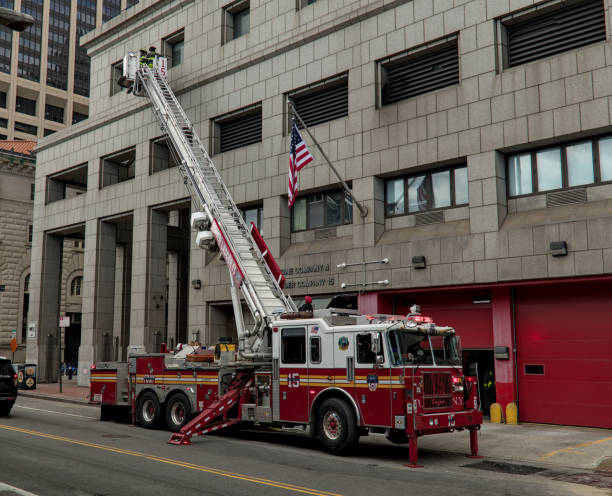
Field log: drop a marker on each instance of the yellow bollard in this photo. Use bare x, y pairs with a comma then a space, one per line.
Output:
496, 413
511, 414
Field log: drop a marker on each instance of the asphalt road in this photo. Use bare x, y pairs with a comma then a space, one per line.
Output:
52, 448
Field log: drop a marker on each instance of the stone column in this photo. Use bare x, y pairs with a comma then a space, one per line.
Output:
173, 295
155, 322
487, 187
105, 290
118, 301
501, 308
88, 346
45, 351
277, 225
370, 193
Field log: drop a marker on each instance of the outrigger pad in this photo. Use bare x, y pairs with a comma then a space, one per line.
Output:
214, 417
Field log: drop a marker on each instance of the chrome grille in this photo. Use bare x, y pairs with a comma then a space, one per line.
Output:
437, 390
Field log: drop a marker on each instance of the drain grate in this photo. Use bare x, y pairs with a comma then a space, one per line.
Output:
505, 468
594, 480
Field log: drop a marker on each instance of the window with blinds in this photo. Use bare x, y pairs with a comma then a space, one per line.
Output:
322, 102
570, 26
419, 71
237, 129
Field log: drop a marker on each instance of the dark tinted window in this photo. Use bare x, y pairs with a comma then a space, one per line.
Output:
86, 21
6, 42
110, 9
293, 345
30, 42
59, 44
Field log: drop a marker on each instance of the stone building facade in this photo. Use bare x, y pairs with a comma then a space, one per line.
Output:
480, 152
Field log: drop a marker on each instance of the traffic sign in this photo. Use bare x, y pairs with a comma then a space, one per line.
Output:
13, 345
64, 322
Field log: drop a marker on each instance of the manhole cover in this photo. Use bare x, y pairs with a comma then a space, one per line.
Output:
595, 480
115, 436
605, 466
506, 468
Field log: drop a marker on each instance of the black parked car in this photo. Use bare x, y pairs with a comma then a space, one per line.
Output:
8, 386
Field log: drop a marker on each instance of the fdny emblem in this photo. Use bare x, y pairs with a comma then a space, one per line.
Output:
372, 382
343, 343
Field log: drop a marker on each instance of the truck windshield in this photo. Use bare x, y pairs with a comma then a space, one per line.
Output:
412, 348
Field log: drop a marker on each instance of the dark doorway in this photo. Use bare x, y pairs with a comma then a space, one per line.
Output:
480, 363
72, 339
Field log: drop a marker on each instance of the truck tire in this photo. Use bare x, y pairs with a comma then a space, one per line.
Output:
178, 412
149, 411
107, 412
337, 426
5, 409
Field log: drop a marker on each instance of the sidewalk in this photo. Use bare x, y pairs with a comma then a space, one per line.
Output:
71, 392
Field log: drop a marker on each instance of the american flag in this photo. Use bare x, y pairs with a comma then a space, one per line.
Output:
299, 156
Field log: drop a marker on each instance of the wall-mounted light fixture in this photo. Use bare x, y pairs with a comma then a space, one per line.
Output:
196, 284
558, 248
363, 264
419, 262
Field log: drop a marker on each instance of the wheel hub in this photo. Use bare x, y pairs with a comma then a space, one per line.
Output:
148, 410
177, 414
332, 426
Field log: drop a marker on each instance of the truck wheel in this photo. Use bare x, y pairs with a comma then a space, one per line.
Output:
149, 410
107, 412
178, 412
5, 409
337, 426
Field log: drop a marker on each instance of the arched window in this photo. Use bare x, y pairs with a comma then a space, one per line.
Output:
75, 286
26, 284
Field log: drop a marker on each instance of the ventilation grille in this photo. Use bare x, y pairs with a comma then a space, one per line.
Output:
429, 218
325, 104
241, 131
416, 75
329, 232
564, 29
565, 197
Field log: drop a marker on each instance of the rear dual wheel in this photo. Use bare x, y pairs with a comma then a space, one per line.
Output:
149, 411
178, 412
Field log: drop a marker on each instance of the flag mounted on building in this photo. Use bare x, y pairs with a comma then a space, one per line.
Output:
299, 156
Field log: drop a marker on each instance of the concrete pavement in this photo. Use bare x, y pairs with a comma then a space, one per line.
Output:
538, 445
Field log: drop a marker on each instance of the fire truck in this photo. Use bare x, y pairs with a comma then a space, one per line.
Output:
334, 372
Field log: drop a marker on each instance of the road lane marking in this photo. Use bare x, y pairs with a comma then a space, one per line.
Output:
572, 449
178, 463
52, 411
16, 490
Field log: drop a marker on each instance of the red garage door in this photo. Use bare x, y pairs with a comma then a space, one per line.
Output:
472, 321
564, 352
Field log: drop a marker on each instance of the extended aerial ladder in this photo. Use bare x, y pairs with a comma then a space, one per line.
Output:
216, 217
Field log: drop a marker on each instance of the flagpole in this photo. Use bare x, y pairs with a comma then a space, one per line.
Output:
363, 210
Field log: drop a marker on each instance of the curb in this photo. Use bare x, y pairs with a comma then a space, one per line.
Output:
75, 401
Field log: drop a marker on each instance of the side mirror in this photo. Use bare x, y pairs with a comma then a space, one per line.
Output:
380, 360
376, 345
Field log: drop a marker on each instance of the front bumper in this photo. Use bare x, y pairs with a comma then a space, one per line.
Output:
463, 419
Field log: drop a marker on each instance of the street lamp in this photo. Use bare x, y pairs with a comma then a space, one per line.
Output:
14, 20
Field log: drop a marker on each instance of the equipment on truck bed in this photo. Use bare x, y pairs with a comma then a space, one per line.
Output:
336, 373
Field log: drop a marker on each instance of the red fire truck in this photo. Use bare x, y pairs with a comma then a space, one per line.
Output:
335, 372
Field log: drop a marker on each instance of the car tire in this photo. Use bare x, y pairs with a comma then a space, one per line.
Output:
178, 412
5, 409
337, 427
149, 411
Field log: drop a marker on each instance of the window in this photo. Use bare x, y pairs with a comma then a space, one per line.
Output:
173, 48
58, 46
163, 155
364, 349
26, 128
304, 3
6, 42
30, 232
254, 215
571, 165
315, 349
30, 41
420, 70
240, 128
67, 184
533, 34
48, 132
76, 285
2, 93
321, 102
110, 9
321, 210
130, 3
118, 167
78, 117
53, 113
32, 192
427, 191
25, 105
3, 122
85, 22
293, 345
116, 73
237, 20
